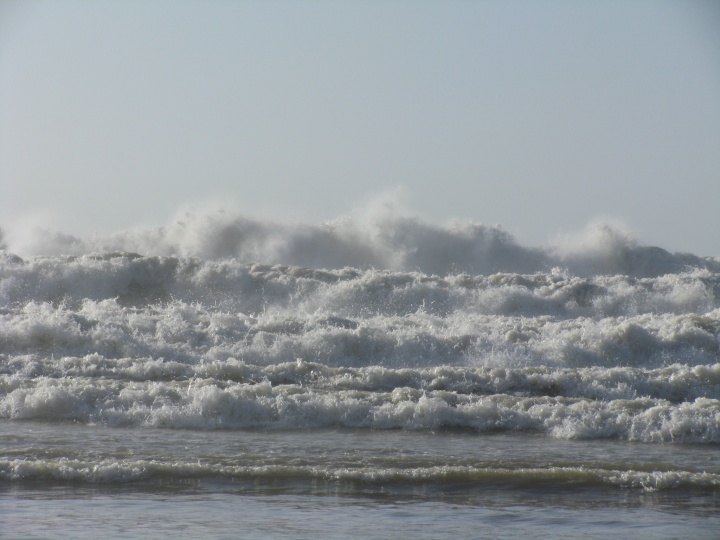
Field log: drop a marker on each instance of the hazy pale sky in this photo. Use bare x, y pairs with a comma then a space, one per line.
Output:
539, 116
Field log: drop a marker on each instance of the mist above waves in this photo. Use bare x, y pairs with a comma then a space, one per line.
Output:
376, 238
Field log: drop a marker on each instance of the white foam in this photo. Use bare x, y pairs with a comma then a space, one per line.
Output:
568, 404
190, 311
213, 343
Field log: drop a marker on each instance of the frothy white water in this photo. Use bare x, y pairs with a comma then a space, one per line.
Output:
430, 399
192, 311
383, 323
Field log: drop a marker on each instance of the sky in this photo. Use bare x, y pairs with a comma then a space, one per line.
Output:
540, 116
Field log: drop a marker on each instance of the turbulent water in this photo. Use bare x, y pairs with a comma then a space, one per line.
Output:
368, 356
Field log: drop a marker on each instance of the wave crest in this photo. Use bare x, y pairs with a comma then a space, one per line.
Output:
384, 240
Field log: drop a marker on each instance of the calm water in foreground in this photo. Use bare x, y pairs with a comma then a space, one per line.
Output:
347, 484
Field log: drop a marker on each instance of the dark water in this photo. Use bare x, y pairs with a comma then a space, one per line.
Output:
349, 483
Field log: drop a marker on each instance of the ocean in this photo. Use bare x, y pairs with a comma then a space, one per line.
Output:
371, 377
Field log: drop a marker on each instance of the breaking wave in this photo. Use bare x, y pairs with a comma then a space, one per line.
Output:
375, 238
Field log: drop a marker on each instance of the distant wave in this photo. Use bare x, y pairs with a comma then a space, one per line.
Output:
381, 240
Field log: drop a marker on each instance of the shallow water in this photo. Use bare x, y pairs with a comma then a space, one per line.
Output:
349, 483
83, 513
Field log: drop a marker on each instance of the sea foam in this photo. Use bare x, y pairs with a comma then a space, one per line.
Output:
220, 322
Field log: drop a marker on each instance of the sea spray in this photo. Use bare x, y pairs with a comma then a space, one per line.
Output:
371, 239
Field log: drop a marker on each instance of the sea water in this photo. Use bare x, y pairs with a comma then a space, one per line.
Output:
225, 377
